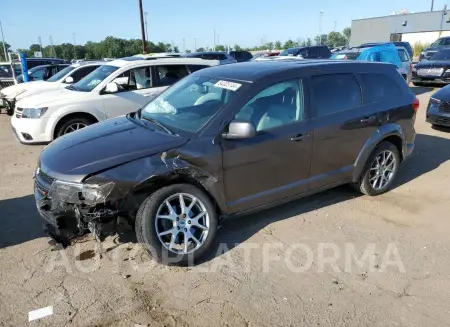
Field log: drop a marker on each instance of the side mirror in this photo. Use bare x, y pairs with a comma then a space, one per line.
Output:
240, 130
111, 88
68, 80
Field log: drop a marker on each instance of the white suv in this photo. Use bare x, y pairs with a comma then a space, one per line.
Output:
70, 74
115, 88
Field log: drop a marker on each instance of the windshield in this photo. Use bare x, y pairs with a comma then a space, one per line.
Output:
440, 42
190, 103
61, 74
441, 55
88, 83
288, 52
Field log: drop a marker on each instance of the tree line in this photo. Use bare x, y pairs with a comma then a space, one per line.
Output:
113, 47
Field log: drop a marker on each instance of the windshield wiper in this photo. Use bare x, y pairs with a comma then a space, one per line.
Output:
158, 124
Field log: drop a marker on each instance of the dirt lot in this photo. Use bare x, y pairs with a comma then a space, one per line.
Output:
334, 259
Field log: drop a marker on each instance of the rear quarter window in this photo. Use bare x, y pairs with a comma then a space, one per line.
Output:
404, 57
379, 87
335, 93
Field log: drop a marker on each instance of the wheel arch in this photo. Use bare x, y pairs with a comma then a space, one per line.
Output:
391, 133
69, 115
203, 183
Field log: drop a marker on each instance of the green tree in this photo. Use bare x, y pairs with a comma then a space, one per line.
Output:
347, 32
336, 39
220, 48
201, 49
277, 45
321, 39
237, 48
308, 42
289, 44
2, 52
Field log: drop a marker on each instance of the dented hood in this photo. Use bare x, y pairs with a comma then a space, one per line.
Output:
103, 145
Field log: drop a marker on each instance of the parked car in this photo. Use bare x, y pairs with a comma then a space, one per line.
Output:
438, 110
403, 44
435, 70
403, 62
43, 72
223, 57
113, 89
68, 75
33, 62
224, 141
241, 55
443, 42
262, 55
312, 52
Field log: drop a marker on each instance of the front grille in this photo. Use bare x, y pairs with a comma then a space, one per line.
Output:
444, 106
47, 179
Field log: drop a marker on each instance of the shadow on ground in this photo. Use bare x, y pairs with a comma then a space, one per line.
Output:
20, 221
418, 90
430, 152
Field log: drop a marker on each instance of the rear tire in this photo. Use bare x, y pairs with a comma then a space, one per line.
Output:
72, 124
380, 170
163, 231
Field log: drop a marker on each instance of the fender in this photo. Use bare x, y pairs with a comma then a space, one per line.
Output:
379, 135
62, 112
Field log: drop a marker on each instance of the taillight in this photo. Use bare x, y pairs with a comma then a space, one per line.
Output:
416, 104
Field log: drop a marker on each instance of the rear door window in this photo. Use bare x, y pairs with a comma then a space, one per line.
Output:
404, 57
167, 75
378, 87
335, 93
194, 68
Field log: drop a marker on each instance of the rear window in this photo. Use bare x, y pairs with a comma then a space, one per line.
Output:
335, 93
379, 87
403, 55
194, 68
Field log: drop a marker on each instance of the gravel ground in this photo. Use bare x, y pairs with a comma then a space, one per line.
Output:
333, 259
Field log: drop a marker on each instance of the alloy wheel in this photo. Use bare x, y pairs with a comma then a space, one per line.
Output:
182, 223
382, 170
74, 127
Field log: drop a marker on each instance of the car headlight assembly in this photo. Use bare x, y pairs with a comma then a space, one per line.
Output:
76, 193
33, 113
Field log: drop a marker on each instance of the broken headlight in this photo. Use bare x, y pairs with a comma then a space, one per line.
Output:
33, 112
76, 193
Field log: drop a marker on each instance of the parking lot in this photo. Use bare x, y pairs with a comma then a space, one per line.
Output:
332, 259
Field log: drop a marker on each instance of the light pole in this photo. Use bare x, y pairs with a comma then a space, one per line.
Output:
214, 48
320, 27
432, 5
141, 15
4, 44
146, 27
195, 44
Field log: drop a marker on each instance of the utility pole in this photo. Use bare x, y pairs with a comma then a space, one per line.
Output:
184, 45
4, 44
195, 44
141, 14
432, 5
320, 27
218, 38
335, 24
53, 47
74, 47
214, 47
146, 27
40, 45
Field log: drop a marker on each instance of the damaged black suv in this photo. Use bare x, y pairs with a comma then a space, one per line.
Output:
224, 141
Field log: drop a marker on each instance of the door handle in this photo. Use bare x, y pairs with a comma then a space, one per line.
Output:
299, 137
368, 119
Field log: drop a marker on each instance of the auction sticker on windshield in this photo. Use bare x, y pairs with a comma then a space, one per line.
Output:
228, 85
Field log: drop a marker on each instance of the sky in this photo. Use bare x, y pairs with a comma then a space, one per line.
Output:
243, 22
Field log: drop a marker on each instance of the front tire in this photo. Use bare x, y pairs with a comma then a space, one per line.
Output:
380, 170
177, 224
72, 124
